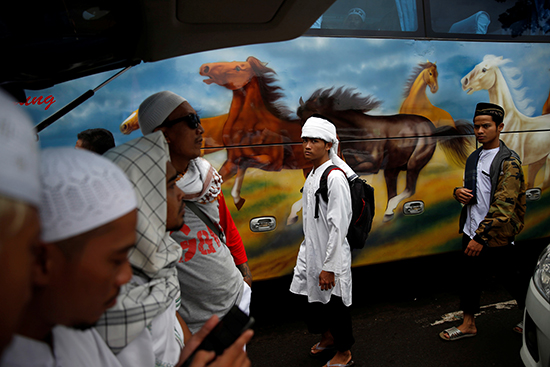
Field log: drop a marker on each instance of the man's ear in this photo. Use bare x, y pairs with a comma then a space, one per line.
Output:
46, 257
328, 146
164, 132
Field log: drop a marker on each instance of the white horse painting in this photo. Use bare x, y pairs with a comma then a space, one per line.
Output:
533, 148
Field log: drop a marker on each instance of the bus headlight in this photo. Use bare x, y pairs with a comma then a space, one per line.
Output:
541, 277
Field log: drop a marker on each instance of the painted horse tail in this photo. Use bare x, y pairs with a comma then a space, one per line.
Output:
456, 142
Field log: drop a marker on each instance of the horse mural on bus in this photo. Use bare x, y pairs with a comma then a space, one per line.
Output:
255, 120
270, 139
416, 101
370, 143
532, 148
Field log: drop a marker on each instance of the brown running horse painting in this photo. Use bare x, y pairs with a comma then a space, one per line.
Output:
256, 124
393, 143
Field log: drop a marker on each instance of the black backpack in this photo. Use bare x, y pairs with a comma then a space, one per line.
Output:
362, 204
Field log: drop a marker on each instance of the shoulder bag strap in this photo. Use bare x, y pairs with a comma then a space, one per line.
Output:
199, 213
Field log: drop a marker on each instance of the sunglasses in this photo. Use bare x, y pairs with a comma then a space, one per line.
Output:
192, 120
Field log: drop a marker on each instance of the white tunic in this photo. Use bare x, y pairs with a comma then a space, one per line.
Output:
159, 344
70, 348
325, 246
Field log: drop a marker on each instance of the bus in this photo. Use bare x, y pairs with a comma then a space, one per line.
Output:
400, 78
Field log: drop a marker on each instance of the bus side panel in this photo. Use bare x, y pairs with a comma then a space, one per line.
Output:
402, 109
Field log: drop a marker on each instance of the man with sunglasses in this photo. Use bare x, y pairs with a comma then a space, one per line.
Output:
213, 272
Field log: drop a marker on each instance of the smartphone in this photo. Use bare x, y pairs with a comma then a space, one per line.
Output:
224, 334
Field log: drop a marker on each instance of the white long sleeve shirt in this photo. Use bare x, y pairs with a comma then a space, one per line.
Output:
325, 246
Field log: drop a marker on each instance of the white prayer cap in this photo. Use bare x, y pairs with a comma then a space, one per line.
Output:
156, 108
357, 11
81, 191
319, 128
19, 157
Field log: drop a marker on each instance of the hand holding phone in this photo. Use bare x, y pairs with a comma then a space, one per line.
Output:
221, 337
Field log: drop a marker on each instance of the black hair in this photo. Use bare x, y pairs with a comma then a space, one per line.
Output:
97, 140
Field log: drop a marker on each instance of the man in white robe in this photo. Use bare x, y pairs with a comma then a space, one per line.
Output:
143, 322
88, 216
19, 221
323, 267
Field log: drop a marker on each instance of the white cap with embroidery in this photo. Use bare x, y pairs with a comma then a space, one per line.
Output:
156, 108
81, 191
19, 156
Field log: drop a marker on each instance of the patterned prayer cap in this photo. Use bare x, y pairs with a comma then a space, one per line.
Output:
491, 109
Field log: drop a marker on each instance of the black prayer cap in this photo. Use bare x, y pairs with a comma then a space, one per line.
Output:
491, 109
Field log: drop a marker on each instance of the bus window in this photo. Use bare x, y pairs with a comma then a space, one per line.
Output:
370, 15
374, 15
479, 20
492, 17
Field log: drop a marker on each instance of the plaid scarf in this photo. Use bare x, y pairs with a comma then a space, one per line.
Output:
470, 174
155, 283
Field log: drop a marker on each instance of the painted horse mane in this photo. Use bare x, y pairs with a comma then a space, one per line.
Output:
343, 99
414, 74
270, 93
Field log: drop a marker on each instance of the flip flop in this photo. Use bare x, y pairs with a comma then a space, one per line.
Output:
519, 328
349, 364
454, 334
319, 350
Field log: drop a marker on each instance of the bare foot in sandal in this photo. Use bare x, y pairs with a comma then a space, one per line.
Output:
466, 329
327, 342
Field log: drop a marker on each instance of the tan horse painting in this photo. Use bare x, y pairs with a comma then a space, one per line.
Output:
416, 101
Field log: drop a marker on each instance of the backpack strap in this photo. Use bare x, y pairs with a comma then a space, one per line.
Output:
323, 187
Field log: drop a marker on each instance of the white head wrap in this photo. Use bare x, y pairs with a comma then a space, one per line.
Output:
319, 128
357, 11
156, 108
18, 153
81, 191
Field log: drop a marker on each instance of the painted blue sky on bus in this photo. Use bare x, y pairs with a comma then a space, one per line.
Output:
373, 66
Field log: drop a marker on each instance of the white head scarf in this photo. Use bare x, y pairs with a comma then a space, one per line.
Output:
81, 191
319, 128
156, 108
155, 285
18, 153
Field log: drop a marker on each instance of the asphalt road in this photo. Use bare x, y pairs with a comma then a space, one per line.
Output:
398, 311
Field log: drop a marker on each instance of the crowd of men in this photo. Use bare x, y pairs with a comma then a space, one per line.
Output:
91, 250
91, 262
